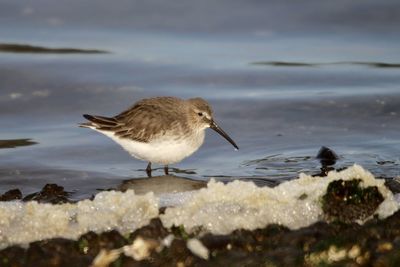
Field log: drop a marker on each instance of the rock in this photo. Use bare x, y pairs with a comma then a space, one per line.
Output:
327, 156
12, 194
141, 248
347, 201
197, 248
50, 193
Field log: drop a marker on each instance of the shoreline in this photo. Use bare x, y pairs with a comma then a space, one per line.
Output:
336, 240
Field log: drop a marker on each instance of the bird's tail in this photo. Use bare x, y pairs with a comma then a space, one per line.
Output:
99, 122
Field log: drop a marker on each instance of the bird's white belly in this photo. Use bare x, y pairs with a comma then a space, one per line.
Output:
163, 151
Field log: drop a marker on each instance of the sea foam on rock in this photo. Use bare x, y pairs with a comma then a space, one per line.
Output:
218, 209
221, 208
24, 222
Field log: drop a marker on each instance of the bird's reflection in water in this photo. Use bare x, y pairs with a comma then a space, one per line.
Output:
164, 184
172, 184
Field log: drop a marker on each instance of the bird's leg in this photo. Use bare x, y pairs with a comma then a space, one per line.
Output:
166, 169
148, 169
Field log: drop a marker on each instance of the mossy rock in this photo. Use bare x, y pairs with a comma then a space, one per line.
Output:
347, 201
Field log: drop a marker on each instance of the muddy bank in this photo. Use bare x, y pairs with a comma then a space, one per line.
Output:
25, 48
306, 64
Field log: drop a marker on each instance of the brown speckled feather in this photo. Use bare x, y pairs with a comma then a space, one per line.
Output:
148, 118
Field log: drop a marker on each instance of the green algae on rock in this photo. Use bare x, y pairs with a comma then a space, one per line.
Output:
348, 201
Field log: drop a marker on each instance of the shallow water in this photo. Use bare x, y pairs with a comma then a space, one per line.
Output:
278, 114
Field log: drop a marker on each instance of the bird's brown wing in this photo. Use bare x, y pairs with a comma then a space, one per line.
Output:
99, 122
143, 121
148, 118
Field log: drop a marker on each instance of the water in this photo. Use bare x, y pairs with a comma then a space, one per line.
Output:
278, 115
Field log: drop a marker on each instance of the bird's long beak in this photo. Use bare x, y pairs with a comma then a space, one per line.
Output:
218, 129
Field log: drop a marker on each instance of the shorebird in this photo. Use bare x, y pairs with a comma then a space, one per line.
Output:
161, 130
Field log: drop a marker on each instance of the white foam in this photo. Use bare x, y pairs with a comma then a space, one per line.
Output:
221, 208
175, 199
24, 222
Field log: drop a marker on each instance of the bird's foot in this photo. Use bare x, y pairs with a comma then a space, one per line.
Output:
148, 169
166, 169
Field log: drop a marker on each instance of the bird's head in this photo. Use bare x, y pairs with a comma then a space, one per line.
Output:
201, 116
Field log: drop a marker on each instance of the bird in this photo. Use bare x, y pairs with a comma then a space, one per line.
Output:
161, 130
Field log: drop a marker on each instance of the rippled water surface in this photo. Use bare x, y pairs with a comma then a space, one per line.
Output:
281, 83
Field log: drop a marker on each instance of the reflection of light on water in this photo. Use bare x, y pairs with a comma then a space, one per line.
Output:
15, 95
219, 209
36, 93
41, 93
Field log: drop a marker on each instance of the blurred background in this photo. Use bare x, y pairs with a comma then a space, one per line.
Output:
284, 78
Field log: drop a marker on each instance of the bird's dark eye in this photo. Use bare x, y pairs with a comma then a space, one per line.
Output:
200, 114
